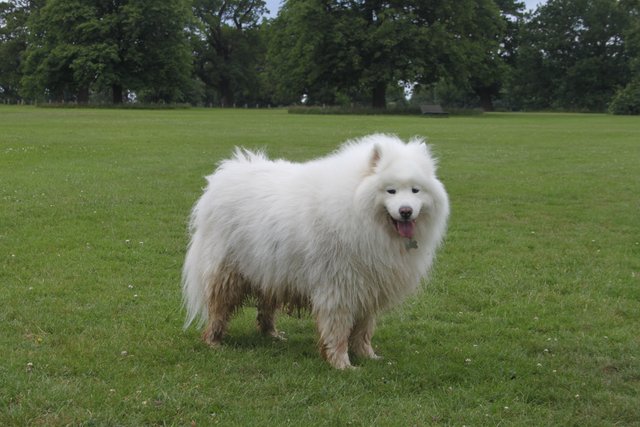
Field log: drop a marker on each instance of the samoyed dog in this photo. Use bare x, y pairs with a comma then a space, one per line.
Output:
345, 236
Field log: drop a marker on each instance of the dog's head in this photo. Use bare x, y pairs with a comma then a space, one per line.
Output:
407, 186
403, 203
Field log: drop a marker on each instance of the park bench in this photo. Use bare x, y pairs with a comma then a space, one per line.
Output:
433, 110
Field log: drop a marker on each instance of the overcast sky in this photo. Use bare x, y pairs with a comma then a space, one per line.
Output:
274, 5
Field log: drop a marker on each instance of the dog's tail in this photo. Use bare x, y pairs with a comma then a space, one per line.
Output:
200, 261
195, 273
193, 287
241, 154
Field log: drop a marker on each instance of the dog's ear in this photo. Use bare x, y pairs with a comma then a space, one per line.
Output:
421, 143
376, 154
424, 149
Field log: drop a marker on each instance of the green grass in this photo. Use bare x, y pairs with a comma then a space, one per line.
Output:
531, 317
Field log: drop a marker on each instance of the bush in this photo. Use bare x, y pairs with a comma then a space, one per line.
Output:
359, 110
627, 100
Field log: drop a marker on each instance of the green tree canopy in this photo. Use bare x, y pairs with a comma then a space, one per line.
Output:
78, 46
229, 49
13, 42
572, 55
568, 54
627, 98
497, 50
326, 47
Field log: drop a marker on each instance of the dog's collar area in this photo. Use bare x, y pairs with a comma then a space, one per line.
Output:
411, 244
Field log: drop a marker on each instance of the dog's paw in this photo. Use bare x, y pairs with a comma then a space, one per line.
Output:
212, 340
278, 335
345, 367
214, 344
341, 362
366, 352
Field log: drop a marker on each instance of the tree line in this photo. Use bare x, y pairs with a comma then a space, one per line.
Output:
580, 55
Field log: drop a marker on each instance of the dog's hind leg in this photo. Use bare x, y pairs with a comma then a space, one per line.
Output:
266, 320
360, 339
217, 324
227, 290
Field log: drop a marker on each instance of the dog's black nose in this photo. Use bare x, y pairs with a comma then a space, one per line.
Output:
406, 212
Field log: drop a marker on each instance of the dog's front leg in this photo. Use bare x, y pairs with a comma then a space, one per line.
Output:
334, 327
360, 339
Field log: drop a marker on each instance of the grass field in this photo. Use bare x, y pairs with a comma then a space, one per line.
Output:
532, 316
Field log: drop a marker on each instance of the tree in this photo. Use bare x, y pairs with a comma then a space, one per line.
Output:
499, 44
159, 49
307, 55
627, 98
229, 48
79, 46
572, 55
13, 42
325, 48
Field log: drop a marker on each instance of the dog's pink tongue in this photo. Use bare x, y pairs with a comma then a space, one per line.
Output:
406, 228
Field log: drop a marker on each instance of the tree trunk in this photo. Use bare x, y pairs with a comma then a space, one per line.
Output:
486, 99
379, 99
83, 95
226, 94
117, 93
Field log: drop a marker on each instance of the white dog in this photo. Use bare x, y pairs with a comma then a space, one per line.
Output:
346, 235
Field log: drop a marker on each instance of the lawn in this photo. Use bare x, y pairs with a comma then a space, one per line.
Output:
530, 318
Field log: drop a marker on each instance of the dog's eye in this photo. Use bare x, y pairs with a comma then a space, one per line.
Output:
391, 191
415, 190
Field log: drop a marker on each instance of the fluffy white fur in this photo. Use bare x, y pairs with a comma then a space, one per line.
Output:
337, 234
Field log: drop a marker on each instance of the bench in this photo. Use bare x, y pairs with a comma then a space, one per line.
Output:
433, 110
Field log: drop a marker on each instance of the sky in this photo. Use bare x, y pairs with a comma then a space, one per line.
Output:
274, 5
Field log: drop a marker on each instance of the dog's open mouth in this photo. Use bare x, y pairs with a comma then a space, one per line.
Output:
404, 228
